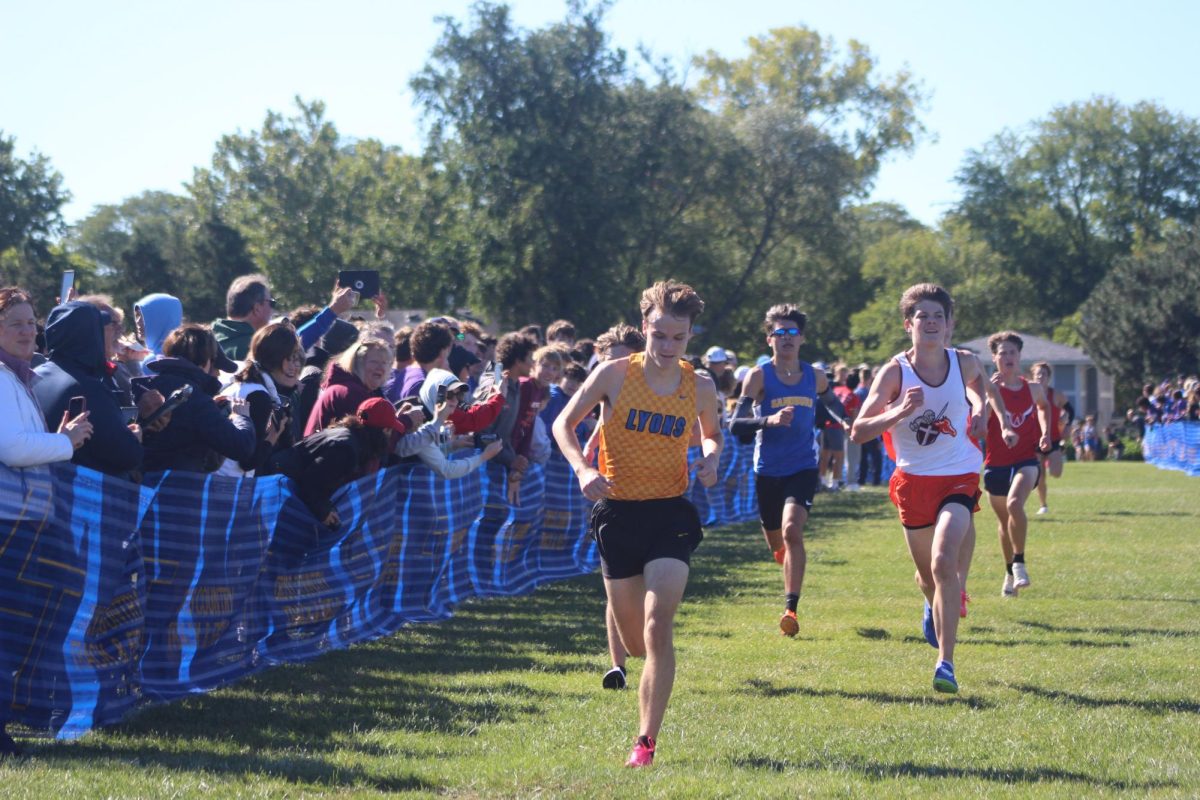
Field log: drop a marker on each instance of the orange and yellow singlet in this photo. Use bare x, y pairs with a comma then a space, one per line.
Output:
643, 445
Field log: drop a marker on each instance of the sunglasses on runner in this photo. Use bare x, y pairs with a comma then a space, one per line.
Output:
786, 331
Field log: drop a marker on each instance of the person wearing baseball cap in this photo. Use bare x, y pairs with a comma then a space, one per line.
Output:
718, 360
347, 449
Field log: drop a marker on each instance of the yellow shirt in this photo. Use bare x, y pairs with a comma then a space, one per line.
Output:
643, 445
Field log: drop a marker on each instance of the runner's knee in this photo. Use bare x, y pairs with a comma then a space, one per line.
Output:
658, 634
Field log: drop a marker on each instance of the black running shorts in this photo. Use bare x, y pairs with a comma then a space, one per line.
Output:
998, 480
632, 533
775, 493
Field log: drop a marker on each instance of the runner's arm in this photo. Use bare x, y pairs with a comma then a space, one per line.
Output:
712, 439
875, 417
997, 403
744, 422
1043, 413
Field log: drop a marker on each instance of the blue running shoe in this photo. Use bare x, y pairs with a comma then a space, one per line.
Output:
943, 678
927, 627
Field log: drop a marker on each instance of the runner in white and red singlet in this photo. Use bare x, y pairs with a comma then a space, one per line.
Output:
921, 396
1011, 471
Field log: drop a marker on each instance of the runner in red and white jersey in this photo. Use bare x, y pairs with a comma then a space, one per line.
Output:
920, 395
1052, 460
1011, 470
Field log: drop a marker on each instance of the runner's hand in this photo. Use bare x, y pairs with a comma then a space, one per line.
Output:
594, 485
914, 398
706, 471
978, 428
1044, 443
783, 417
1010, 437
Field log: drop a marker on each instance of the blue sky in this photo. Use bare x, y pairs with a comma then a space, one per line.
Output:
129, 96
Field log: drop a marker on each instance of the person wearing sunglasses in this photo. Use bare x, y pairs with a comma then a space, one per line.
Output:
778, 407
250, 305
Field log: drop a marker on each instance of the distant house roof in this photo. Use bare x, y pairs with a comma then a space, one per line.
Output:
1036, 349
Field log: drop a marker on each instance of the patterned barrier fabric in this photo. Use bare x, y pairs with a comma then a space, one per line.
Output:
113, 594
1174, 445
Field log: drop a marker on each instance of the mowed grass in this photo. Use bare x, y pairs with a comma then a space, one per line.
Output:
1087, 685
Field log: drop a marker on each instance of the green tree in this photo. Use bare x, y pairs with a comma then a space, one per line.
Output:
31, 201
1142, 322
809, 129
1081, 188
161, 242
309, 204
986, 298
566, 164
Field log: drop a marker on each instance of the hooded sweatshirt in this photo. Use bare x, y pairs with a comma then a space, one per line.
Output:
199, 433
342, 395
432, 454
161, 314
77, 367
234, 337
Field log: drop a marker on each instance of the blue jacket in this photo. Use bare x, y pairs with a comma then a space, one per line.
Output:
77, 367
200, 436
161, 314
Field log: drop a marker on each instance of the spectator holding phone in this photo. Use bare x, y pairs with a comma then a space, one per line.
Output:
24, 439
443, 394
76, 369
249, 306
201, 434
265, 382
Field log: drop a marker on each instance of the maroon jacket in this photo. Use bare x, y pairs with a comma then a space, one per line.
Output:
342, 394
533, 397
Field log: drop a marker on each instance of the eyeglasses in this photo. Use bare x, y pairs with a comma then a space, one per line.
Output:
786, 332
271, 300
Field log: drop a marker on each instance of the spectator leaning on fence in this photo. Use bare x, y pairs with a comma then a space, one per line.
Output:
266, 382
77, 368
200, 435
24, 441
354, 376
434, 454
349, 448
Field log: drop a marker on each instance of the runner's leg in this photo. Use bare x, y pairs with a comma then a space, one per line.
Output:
664, 581
1018, 493
952, 523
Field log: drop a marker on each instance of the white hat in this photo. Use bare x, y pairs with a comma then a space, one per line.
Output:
715, 355
739, 374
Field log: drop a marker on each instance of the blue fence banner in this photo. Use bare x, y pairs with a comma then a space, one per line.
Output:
1173, 445
114, 595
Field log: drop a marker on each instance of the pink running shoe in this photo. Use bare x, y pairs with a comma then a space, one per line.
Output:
642, 754
962, 604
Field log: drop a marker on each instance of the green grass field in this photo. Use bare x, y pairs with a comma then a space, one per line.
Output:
1086, 685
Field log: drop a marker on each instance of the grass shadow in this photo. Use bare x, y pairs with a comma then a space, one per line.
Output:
1084, 701
294, 768
763, 688
875, 770
1110, 630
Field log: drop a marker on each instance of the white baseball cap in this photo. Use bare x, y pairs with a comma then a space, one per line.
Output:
715, 355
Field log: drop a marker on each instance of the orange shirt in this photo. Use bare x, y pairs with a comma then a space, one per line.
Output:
643, 445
